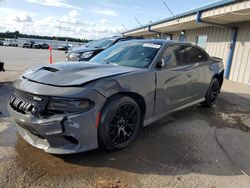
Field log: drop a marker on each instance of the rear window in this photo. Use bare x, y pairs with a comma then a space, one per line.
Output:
195, 54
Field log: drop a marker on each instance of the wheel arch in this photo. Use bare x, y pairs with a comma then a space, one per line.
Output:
220, 77
139, 99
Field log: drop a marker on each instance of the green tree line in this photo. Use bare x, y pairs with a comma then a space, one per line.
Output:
17, 34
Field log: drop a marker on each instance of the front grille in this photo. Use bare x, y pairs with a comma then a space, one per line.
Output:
28, 103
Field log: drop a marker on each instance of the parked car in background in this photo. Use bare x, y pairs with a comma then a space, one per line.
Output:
80, 46
65, 47
10, 42
1, 43
14, 44
36, 45
2, 66
41, 46
92, 48
6, 43
88, 44
28, 44
79, 106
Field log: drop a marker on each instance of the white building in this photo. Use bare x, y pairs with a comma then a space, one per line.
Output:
222, 28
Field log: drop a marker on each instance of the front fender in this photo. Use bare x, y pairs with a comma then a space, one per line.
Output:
142, 83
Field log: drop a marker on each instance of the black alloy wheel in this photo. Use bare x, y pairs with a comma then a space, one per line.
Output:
120, 123
123, 123
215, 89
212, 93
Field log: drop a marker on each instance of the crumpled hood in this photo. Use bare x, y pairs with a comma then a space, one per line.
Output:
74, 73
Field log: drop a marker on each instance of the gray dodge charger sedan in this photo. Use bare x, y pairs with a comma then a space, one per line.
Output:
79, 106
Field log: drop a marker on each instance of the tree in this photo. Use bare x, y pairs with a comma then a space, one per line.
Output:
16, 34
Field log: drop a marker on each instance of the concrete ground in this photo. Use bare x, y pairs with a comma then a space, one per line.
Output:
195, 147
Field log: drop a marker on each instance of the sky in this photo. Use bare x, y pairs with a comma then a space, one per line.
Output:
86, 19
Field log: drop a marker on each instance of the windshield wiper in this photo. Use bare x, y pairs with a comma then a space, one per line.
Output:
109, 62
106, 62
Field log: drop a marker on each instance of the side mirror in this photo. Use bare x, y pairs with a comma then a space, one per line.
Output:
161, 63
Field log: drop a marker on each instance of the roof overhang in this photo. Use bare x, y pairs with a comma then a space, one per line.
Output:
228, 14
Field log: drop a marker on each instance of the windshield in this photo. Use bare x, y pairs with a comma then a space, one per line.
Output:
89, 43
130, 53
102, 43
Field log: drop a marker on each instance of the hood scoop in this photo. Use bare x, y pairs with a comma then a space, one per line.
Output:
51, 69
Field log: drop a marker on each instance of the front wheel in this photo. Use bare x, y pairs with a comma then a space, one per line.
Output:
120, 123
212, 93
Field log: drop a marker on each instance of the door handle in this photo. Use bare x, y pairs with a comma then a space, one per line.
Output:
189, 74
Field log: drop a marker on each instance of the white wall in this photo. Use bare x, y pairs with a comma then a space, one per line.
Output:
240, 70
218, 44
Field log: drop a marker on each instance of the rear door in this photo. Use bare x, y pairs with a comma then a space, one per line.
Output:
173, 80
198, 62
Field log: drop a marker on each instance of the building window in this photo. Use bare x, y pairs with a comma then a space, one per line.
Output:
182, 38
166, 36
202, 41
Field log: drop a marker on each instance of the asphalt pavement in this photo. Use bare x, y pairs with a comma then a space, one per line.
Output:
195, 147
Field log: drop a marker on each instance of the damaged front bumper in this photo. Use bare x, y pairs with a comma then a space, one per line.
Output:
59, 134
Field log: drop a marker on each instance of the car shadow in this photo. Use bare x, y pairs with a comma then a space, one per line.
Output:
178, 144
182, 140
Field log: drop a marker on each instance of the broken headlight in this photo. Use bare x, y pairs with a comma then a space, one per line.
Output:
68, 105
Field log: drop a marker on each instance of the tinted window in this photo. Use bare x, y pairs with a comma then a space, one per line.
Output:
180, 55
169, 57
102, 43
176, 54
195, 54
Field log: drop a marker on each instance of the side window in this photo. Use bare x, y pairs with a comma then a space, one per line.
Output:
180, 55
195, 55
169, 57
175, 56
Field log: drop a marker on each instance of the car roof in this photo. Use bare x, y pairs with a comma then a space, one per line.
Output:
114, 37
162, 41
120, 37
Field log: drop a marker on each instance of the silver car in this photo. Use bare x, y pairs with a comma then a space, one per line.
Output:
80, 106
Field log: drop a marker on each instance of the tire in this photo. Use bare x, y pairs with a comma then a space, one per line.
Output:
212, 93
119, 123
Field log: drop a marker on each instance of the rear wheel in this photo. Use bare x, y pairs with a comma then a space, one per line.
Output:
212, 93
120, 123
